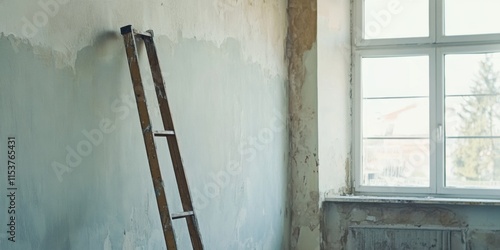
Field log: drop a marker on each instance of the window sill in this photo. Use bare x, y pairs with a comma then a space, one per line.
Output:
411, 200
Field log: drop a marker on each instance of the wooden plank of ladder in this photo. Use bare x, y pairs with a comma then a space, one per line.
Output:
168, 124
154, 166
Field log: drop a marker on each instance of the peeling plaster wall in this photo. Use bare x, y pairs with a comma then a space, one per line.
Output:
480, 224
302, 68
82, 175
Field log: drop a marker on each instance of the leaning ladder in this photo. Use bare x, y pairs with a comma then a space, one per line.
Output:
130, 36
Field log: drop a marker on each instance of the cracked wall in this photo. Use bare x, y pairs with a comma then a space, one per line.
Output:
65, 93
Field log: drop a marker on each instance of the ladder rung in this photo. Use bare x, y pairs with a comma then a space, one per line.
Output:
182, 215
164, 133
131, 37
148, 33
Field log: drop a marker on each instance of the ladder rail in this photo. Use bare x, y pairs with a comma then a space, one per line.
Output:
154, 166
173, 145
169, 133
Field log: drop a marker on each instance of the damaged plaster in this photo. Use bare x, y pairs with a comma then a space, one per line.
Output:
61, 28
302, 68
225, 72
470, 227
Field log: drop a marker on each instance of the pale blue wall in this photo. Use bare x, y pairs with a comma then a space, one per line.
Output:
230, 115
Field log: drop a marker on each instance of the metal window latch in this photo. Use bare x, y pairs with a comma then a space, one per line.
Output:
439, 133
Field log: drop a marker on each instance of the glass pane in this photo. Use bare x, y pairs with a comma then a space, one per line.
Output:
466, 17
396, 117
473, 163
395, 76
395, 19
472, 90
394, 162
473, 115
472, 73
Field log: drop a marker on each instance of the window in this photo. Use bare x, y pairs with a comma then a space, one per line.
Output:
427, 97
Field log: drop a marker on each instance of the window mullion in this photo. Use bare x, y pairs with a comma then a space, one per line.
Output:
433, 121
439, 149
436, 20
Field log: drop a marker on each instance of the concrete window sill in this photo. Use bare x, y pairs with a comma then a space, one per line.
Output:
412, 200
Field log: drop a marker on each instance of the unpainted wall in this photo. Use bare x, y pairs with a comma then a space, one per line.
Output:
319, 71
82, 175
302, 68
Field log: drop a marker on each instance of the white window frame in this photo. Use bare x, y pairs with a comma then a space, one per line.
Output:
359, 40
436, 46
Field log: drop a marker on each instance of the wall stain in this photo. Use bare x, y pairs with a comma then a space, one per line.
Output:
301, 40
348, 189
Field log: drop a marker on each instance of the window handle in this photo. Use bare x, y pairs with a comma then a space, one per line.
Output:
439, 133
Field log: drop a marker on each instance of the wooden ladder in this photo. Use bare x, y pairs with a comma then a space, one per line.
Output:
130, 36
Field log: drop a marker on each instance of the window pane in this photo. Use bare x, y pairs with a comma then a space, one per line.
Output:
395, 104
466, 17
396, 117
395, 19
473, 115
395, 76
472, 73
392, 162
473, 163
472, 87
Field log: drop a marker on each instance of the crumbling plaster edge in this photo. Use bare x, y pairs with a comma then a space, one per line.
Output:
67, 58
411, 200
